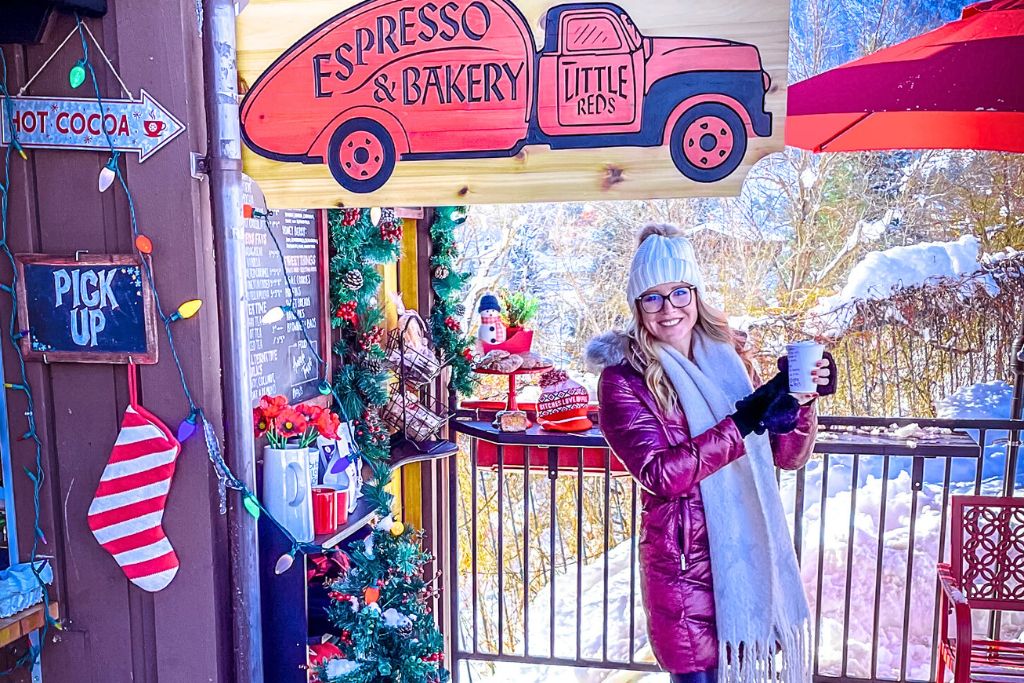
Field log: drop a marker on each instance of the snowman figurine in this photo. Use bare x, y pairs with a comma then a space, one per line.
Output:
492, 329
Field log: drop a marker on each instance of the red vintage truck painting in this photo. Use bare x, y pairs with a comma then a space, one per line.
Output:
401, 80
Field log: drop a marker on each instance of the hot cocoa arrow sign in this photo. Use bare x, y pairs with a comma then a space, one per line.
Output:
141, 126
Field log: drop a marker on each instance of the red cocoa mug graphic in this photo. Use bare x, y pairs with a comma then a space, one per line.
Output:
153, 128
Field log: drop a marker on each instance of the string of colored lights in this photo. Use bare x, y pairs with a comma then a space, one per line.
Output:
36, 476
226, 478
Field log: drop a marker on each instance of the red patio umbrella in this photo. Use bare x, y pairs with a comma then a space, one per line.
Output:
960, 86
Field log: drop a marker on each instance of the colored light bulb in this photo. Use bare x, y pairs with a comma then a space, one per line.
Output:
375, 214
144, 244
108, 174
76, 77
284, 563
187, 310
251, 506
325, 388
188, 427
275, 314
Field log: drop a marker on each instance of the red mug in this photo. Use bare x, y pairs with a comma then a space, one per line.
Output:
342, 497
325, 510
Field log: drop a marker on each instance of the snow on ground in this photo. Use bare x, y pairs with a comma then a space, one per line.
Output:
826, 524
879, 273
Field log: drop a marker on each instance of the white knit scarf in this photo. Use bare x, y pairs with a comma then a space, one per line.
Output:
760, 606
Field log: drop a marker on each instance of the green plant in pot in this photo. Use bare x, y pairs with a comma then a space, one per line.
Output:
519, 309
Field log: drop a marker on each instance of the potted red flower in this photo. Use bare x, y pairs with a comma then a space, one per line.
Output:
290, 431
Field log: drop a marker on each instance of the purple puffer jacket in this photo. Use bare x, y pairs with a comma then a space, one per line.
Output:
669, 463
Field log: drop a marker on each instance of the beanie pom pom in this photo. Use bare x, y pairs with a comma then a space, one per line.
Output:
660, 229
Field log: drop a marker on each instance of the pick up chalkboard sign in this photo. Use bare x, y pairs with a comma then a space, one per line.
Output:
87, 309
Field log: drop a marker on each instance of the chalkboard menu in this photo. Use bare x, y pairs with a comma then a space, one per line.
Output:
280, 361
88, 309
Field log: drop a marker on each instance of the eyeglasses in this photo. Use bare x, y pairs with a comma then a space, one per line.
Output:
654, 302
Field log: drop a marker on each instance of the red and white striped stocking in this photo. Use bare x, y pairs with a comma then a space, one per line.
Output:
127, 511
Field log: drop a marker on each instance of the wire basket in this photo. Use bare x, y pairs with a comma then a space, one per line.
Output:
405, 413
414, 363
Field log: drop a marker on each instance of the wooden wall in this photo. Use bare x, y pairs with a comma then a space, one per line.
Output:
115, 632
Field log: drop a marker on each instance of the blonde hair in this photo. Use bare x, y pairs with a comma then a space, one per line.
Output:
711, 322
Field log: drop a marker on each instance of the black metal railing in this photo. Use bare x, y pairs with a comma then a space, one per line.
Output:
546, 555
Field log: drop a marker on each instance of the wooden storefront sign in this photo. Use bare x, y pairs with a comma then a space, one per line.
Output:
398, 102
86, 309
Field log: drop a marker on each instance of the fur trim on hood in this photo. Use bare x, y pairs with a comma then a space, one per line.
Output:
606, 350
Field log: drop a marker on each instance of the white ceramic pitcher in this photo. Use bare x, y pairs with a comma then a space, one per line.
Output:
287, 492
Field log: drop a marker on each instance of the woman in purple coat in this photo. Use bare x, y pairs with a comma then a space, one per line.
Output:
720, 581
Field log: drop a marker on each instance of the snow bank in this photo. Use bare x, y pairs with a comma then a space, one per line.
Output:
880, 273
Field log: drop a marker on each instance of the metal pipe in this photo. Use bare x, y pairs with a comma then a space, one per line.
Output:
1015, 412
225, 160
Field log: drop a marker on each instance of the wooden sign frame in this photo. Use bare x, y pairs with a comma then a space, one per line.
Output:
391, 102
148, 357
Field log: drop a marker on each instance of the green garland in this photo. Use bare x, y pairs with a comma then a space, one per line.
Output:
357, 248
378, 643
452, 342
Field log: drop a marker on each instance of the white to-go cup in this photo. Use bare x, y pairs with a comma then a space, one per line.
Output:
803, 358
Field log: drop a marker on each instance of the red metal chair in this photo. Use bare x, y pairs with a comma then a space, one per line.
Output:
986, 572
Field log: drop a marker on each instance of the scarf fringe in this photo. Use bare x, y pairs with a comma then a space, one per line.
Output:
785, 659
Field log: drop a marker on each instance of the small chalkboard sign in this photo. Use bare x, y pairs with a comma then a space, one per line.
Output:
91, 308
280, 360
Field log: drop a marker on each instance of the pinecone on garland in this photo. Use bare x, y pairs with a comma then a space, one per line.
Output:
459, 310
353, 279
388, 216
373, 365
441, 272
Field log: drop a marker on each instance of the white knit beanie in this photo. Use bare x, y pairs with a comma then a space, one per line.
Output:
663, 256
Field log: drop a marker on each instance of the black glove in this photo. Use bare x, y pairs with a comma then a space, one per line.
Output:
750, 410
823, 389
782, 415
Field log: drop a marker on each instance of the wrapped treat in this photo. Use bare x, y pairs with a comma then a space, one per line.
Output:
512, 421
409, 352
532, 361
404, 413
500, 361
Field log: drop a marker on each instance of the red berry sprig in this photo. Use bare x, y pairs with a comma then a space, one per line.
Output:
452, 324
391, 231
372, 338
350, 217
347, 312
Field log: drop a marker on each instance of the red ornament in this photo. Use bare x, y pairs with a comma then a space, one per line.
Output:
467, 354
347, 312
